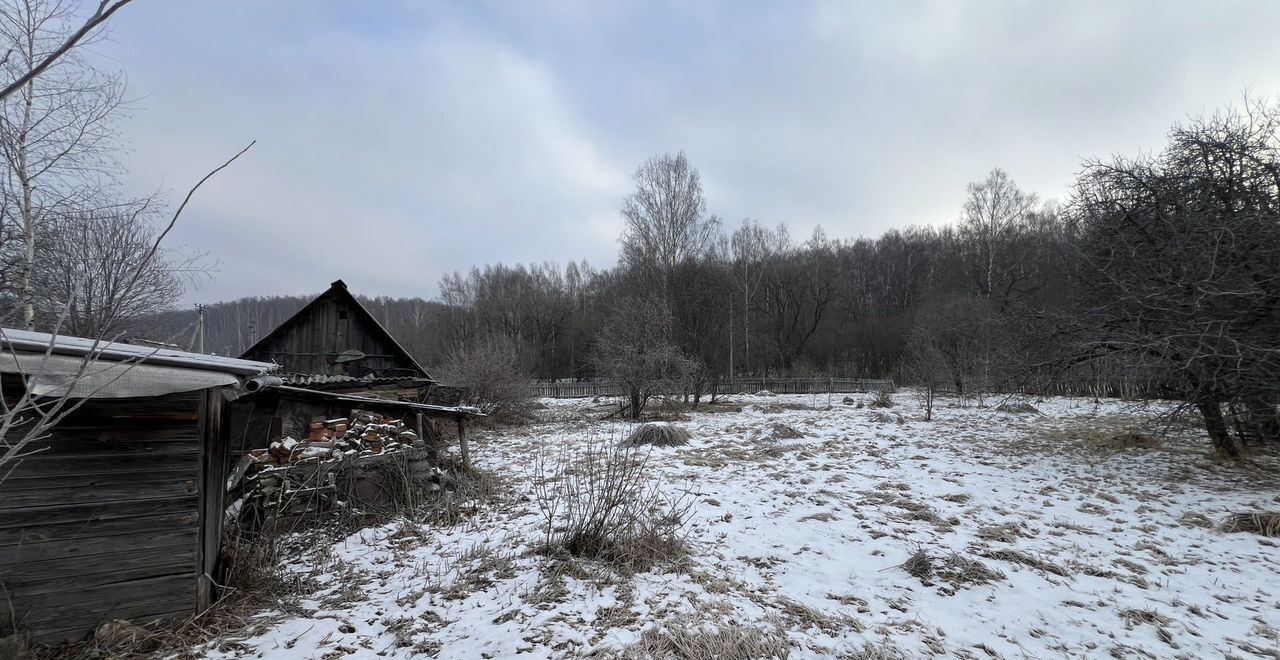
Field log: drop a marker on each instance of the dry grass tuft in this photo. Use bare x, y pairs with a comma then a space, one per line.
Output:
1129, 441
956, 569
1133, 617
1006, 533
878, 652
919, 565
961, 571
1018, 408
690, 639
1193, 519
1019, 557
658, 434
1264, 523
777, 431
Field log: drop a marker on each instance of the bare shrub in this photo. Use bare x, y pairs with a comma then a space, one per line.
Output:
1265, 523
598, 502
658, 434
690, 639
489, 374
882, 399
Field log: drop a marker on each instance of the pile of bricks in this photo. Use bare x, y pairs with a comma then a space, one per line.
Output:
364, 433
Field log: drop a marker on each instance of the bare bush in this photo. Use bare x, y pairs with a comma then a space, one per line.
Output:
488, 372
598, 502
882, 399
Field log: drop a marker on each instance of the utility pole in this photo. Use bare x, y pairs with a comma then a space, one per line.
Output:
200, 328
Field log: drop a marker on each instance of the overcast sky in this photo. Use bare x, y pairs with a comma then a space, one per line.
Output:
398, 140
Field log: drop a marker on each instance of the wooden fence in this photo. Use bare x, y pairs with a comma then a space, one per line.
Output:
585, 389
1119, 388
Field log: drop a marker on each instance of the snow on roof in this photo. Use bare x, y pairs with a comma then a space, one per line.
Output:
26, 341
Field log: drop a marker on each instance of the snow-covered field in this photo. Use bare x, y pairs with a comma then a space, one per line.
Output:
1094, 550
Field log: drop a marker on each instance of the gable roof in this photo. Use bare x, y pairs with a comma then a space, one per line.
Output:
339, 290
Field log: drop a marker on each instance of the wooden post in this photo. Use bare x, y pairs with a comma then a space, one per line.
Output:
462, 442
212, 487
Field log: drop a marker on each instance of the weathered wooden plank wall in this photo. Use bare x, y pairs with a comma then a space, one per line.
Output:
103, 522
327, 328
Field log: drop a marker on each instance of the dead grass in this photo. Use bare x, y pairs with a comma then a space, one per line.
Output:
1263, 523
1018, 408
1026, 559
1131, 440
1193, 519
691, 639
1005, 533
658, 434
953, 568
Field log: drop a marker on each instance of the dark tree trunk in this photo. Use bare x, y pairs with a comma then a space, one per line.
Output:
1223, 444
635, 404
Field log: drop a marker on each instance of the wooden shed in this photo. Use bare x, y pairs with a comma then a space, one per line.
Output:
335, 335
117, 512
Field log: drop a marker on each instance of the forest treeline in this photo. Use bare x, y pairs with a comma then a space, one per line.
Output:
750, 298
1161, 268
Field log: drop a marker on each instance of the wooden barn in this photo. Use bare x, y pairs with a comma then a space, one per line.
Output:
116, 513
334, 343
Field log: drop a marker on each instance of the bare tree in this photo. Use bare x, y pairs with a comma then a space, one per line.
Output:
635, 350
751, 246
994, 214
1179, 267
100, 15
57, 132
665, 219
87, 261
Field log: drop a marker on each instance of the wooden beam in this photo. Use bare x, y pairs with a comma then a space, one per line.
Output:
214, 446
462, 442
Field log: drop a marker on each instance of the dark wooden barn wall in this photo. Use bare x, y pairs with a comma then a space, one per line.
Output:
103, 523
309, 344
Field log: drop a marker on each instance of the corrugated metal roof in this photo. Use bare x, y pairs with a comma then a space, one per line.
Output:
41, 342
301, 392
322, 380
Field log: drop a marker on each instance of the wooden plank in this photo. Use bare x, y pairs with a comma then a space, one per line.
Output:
59, 513
143, 478
102, 494
37, 607
66, 627
214, 443
43, 585
105, 563
78, 548
106, 463
80, 529
121, 440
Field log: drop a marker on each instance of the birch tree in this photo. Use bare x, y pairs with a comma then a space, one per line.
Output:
58, 137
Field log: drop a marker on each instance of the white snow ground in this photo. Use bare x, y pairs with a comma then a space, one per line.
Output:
1115, 555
